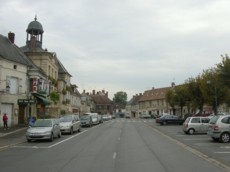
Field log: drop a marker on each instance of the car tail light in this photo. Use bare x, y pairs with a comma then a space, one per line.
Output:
215, 127
186, 125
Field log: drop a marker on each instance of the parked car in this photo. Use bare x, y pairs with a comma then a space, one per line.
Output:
70, 123
105, 117
100, 119
43, 129
196, 125
219, 128
171, 119
95, 118
127, 115
86, 120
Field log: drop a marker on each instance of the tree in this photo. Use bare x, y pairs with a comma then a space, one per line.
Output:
171, 99
181, 96
197, 99
120, 99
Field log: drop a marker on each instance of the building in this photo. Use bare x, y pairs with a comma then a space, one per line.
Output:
14, 68
154, 101
132, 106
102, 103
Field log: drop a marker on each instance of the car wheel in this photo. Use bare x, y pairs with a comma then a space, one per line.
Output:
28, 140
191, 131
164, 123
79, 129
51, 137
225, 137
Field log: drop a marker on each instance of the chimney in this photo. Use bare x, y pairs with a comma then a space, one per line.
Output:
106, 93
103, 91
93, 92
11, 37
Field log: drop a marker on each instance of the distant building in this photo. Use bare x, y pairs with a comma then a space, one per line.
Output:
132, 106
102, 103
154, 101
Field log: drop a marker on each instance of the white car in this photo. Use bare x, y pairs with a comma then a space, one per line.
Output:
43, 129
70, 124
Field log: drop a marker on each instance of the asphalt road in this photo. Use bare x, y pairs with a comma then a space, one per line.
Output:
120, 145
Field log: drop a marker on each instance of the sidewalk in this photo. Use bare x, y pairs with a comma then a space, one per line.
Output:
12, 136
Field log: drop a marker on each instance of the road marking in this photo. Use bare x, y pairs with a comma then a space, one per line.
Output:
67, 139
196, 139
222, 152
114, 155
192, 150
47, 147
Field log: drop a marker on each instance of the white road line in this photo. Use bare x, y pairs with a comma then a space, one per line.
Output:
114, 155
196, 139
66, 139
46, 147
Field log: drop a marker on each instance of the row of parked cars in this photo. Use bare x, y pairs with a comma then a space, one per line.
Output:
216, 126
48, 129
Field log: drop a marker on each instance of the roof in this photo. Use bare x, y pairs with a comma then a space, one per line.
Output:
154, 94
134, 100
62, 69
11, 52
100, 99
35, 27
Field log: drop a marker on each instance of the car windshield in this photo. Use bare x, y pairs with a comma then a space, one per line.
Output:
43, 123
66, 119
187, 120
94, 116
214, 120
84, 117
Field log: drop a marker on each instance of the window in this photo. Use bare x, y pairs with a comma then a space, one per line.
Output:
205, 120
195, 120
226, 120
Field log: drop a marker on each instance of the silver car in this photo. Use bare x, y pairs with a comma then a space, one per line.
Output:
196, 125
70, 123
219, 128
43, 129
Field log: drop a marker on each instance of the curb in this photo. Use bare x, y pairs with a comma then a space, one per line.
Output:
6, 134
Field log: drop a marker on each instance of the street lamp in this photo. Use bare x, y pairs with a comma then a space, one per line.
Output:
215, 96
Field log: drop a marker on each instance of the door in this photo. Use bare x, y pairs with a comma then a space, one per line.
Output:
21, 115
7, 108
204, 125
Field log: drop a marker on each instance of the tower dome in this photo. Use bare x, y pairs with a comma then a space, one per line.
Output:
35, 27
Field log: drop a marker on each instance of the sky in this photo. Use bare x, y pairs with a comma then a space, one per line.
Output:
126, 45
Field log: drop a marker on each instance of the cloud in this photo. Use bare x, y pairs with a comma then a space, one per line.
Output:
129, 45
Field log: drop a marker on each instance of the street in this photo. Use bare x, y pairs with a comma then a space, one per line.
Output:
120, 145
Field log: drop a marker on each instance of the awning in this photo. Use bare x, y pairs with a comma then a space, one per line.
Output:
43, 99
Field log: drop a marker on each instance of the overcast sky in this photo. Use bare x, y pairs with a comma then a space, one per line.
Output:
126, 45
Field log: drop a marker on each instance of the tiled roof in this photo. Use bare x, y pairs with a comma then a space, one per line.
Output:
11, 52
134, 100
154, 94
100, 99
